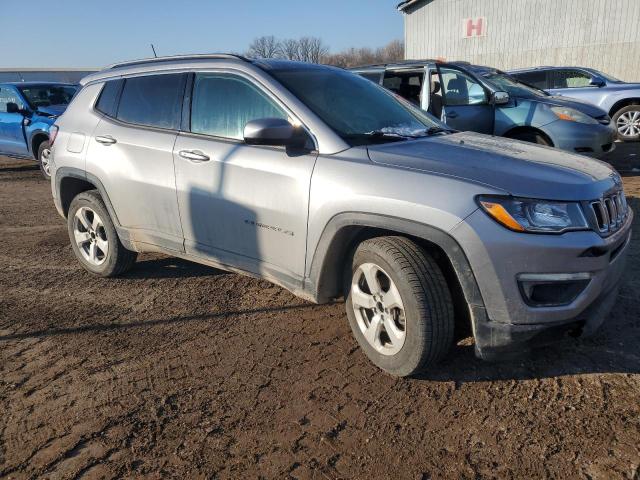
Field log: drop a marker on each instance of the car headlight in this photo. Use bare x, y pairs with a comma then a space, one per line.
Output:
536, 216
572, 115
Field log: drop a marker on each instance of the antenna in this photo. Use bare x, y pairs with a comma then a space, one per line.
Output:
154, 51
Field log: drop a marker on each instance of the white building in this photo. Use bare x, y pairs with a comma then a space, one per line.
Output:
602, 34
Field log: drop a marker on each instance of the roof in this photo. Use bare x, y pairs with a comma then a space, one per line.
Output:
405, 4
174, 58
414, 64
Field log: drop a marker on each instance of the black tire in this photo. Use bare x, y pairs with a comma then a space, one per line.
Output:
117, 259
621, 113
531, 137
44, 149
428, 307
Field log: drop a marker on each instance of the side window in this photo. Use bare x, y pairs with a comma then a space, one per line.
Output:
373, 76
222, 105
537, 78
461, 89
9, 95
107, 101
152, 100
406, 84
569, 79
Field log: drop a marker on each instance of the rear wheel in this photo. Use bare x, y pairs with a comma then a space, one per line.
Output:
94, 239
399, 305
627, 122
531, 137
44, 158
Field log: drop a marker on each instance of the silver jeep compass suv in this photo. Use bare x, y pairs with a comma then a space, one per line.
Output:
329, 185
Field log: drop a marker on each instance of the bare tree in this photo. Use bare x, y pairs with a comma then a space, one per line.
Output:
392, 52
291, 49
265, 47
312, 49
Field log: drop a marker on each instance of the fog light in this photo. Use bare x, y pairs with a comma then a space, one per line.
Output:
552, 289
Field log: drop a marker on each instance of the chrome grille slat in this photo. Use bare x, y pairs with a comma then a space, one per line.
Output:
610, 212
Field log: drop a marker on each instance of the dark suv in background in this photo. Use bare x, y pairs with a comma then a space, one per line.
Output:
27, 111
620, 99
486, 100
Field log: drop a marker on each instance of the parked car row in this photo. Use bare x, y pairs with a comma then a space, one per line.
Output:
517, 105
331, 186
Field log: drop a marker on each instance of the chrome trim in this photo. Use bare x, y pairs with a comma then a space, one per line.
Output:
553, 277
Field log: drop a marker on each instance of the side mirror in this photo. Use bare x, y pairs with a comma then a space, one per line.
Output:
500, 98
272, 131
13, 108
597, 82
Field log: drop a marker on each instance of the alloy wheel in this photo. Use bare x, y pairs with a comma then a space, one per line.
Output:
45, 161
90, 236
628, 123
379, 309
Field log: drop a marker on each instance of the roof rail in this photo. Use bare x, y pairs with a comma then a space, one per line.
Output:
171, 58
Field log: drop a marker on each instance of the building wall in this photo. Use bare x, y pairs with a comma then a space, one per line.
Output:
603, 34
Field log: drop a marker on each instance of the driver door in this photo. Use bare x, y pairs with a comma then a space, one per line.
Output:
12, 139
465, 101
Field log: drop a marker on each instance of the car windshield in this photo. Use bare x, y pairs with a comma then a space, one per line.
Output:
512, 86
608, 78
47, 95
358, 110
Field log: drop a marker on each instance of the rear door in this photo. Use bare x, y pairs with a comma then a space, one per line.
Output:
465, 100
12, 139
131, 151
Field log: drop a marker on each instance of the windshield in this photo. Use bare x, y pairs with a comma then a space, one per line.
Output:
358, 110
608, 78
513, 87
47, 95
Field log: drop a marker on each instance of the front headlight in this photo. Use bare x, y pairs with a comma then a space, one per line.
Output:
571, 115
536, 216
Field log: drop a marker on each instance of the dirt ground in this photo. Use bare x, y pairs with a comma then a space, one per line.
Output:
177, 370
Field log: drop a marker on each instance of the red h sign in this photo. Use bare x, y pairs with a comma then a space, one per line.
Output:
474, 27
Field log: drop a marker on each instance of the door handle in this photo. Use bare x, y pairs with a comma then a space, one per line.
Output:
106, 139
452, 114
194, 155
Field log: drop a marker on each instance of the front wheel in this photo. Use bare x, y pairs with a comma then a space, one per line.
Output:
399, 305
94, 238
627, 122
44, 159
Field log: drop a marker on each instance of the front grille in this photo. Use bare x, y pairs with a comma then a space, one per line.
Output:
610, 212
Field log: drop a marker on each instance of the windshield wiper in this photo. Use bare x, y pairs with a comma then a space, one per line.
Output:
434, 130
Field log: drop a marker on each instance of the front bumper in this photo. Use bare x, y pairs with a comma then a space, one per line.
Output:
591, 140
506, 323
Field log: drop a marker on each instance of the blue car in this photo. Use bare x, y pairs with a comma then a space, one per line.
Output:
486, 100
27, 111
621, 100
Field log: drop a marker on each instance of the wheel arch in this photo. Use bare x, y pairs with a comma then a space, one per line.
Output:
623, 103
527, 129
346, 231
37, 138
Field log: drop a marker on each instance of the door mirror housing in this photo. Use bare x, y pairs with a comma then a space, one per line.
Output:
597, 82
272, 131
500, 98
13, 108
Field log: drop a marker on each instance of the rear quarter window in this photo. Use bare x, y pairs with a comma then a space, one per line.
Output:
108, 97
152, 100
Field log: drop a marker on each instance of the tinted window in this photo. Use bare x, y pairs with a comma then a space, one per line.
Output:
569, 78
537, 79
107, 101
223, 104
461, 89
9, 95
153, 100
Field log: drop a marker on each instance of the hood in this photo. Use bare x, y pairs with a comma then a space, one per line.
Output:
511, 166
580, 105
52, 110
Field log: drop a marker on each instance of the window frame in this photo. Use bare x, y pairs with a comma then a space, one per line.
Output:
185, 126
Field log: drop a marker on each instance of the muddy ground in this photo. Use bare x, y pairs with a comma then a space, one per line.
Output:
177, 370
